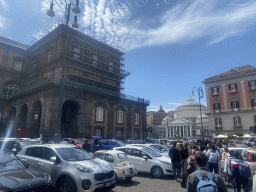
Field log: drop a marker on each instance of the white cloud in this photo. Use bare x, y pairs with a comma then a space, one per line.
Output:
3, 22
175, 104
4, 4
114, 23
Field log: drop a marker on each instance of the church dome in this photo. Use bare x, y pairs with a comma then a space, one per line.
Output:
204, 118
161, 110
190, 103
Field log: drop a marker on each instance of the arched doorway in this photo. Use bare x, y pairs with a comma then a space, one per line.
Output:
22, 130
69, 128
36, 119
10, 130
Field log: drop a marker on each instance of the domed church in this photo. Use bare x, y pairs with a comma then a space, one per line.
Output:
187, 120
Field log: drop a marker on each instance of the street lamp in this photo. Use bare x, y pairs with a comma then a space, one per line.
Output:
50, 12
200, 95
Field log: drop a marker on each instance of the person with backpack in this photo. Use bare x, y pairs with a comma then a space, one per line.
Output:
240, 173
213, 156
204, 180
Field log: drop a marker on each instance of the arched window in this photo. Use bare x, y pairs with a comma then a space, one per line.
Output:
120, 116
136, 119
99, 114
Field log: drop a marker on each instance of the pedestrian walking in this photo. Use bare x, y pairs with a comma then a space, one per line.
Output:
227, 168
86, 146
203, 179
175, 158
214, 157
239, 168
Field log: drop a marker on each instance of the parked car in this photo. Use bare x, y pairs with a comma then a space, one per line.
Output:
237, 143
76, 142
17, 176
250, 142
135, 142
152, 147
109, 144
123, 167
71, 168
15, 145
147, 160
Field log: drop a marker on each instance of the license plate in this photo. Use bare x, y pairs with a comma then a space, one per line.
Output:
131, 170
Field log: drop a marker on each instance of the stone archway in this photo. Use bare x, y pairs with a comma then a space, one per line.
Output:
69, 116
35, 117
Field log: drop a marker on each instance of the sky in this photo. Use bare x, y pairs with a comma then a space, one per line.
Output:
170, 46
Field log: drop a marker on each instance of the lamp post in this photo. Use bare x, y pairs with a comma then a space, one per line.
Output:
50, 12
167, 128
200, 95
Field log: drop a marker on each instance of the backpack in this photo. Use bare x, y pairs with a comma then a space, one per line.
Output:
213, 158
206, 184
244, 169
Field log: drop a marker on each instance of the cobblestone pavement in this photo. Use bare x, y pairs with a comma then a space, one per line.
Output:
145, 183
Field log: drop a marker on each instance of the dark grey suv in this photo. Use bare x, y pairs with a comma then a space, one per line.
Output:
17, 176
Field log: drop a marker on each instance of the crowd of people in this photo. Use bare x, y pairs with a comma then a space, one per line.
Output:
196, 166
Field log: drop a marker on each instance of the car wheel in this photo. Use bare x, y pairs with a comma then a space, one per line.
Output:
66, 185
128, 178
157, 172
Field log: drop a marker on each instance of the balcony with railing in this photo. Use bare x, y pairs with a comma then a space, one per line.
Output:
72, 84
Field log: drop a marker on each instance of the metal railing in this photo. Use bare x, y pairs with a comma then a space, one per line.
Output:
75, 85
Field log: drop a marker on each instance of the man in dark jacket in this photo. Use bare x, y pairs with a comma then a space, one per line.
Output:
86, 146
175, 158
192, 166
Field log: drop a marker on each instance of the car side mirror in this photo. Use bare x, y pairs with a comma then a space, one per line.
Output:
145, 157
53, 159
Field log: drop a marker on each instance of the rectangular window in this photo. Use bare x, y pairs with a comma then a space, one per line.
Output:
119, 133
49, 56
111, 66
95, 60
218, 122
216, 106
76, 56
136, 118
232, 88
120, 116
99, 114
215, 91
237, 121
136, 134
253, 103
98, 132
252, 84
235, 105
17, 65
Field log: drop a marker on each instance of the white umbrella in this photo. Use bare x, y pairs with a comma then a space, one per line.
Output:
247, 136
221, 136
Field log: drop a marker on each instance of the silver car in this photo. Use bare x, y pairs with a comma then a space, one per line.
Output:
70, 167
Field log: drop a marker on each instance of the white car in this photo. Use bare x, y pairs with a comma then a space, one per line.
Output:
70, 167
123, 167
147, 160
155, 147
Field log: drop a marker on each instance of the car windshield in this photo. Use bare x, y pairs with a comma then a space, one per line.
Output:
151, 152
26, 143
155, 149
79, 141
73, 154
161, 148
121, 143
8, 162
239, 142
122, 156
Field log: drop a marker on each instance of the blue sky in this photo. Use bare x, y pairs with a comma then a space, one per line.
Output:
170, 46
